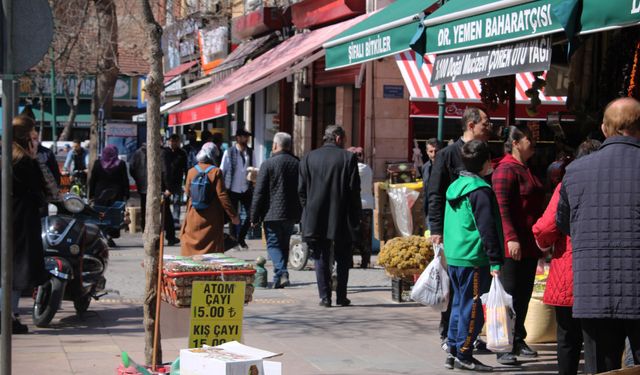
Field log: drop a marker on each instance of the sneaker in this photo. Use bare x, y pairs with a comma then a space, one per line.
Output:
284, 281
507, 359
448, 363
343, 302
523, 350
480, 347
445, 345
471, 365
325, 302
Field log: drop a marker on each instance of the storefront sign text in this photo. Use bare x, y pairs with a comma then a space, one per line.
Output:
373, 46
528, 56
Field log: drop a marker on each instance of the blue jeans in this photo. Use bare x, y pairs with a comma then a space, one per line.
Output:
15, 298
467, 317
278, 234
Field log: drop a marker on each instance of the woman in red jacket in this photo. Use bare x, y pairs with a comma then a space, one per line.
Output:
559, 290
521, 200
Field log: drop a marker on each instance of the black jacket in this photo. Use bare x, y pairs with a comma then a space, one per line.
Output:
600, 207
446, 170
174, 169
275, 195
329, 190
107, 187
426, 174
51, 162
138, 169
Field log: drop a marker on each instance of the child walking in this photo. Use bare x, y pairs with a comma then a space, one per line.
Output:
474, 250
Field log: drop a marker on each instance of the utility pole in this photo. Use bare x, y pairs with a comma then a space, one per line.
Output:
442, 101
7, 185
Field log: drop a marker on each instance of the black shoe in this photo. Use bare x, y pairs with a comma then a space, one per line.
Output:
173, 242
448, 363
444, 345
472, 365
110, 242
523, 350
343, 302
325, 302
19, 328
243, 244
507, 359
480, 347
276, 284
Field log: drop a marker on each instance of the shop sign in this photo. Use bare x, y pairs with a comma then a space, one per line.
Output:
531, 55
213, 46
535, 18
30, 87
393, 92
216, 312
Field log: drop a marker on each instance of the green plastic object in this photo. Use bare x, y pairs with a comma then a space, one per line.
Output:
175, 367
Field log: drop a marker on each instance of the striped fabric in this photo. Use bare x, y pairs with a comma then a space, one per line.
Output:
417, 81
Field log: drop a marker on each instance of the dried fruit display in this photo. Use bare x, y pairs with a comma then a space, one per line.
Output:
404, 256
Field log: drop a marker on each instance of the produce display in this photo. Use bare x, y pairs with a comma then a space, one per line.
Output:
179, 273
406, 256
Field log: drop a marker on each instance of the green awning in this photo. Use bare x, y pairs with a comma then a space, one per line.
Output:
599, 15
466, 24
384, 33
60, 118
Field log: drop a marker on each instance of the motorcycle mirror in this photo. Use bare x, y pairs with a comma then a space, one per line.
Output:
53, 209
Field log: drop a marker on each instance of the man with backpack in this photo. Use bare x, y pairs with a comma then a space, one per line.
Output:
202, 230
235, 163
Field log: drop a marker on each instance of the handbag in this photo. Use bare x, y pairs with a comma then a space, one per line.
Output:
432, 287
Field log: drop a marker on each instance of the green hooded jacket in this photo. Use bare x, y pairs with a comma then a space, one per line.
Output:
463, 245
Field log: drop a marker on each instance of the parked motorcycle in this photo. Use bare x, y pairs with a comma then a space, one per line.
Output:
76, 256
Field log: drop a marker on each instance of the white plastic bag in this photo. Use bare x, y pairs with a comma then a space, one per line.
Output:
500, 317
432, 287
402, 200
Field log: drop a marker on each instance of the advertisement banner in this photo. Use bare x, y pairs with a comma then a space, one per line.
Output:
29, 86
216, 312
531, 55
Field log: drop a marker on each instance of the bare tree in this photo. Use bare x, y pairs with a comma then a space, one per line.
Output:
106, 69
154, 86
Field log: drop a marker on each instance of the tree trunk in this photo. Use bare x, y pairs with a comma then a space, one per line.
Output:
153, 87
107, 69
73, 110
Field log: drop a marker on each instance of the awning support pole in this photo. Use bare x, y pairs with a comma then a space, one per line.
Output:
442, 101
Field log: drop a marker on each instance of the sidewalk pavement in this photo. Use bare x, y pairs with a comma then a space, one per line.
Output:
374, 336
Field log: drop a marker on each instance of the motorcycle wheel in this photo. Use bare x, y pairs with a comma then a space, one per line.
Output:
298, 253
47, 302
82, 304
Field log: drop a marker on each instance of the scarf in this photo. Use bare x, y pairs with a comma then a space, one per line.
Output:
109, 159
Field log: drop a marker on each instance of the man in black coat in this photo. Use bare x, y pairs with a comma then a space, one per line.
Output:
329, 190
138, 171
174, 172
600, 208
446, 169
275, 203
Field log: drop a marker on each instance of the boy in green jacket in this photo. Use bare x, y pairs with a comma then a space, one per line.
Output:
474, 250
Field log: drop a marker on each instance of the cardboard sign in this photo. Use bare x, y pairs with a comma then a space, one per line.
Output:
527, 56
216, 312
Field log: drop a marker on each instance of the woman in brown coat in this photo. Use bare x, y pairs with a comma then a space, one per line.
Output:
202, 230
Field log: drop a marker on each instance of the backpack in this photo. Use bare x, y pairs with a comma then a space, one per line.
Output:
199, 188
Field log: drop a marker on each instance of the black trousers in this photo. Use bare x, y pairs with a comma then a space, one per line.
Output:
517, 279
242, 200
169, 225
569, 334
604, 343
321, 251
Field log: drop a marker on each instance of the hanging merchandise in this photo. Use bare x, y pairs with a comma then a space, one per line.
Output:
402, 200
534, 93
495, 91
634, 84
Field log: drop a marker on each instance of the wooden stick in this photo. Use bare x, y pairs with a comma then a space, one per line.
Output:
156, 323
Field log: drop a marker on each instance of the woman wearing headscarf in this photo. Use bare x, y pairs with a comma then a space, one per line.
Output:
520, 196
202, 230
109, 181
28, 199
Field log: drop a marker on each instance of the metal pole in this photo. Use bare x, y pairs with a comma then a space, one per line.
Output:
442, 101
7, 188
54, 89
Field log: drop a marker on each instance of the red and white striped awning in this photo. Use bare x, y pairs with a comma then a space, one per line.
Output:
417, 81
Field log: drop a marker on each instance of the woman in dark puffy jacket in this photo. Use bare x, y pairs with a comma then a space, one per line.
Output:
520, 197
559, 289
109, 181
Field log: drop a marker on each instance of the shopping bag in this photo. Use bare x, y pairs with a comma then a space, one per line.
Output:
499, 317
432, 287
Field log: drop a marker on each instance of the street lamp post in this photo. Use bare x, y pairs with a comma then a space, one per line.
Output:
442, 101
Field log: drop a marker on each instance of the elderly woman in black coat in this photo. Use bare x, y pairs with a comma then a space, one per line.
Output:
28, 199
